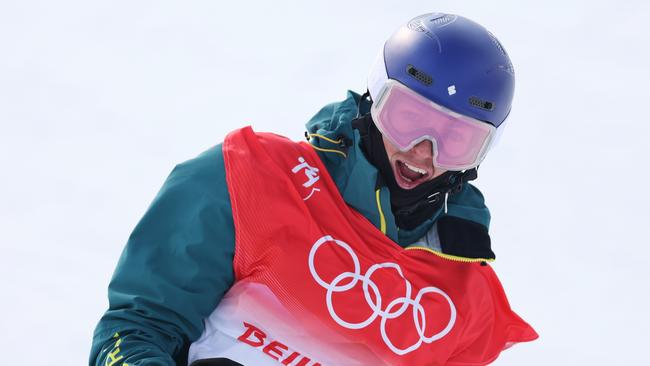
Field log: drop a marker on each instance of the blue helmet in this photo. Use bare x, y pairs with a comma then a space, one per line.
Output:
451, 61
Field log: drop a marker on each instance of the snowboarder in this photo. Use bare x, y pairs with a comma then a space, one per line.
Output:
365, 245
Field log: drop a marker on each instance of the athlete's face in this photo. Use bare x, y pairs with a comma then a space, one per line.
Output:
413, 167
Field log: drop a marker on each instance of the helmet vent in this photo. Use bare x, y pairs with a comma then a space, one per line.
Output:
418, 75
443, 20
483, 104
507, 67
416, 24
497, 43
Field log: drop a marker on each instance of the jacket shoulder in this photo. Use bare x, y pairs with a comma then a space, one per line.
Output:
187, 226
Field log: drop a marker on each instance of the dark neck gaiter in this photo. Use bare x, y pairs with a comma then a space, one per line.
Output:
411, 207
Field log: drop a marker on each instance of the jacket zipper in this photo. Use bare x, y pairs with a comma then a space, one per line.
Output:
451, 257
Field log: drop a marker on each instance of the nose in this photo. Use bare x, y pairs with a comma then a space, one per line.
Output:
423, 150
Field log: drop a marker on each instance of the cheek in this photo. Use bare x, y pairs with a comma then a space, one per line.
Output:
437, 172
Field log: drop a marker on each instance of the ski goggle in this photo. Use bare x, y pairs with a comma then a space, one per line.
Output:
406, 118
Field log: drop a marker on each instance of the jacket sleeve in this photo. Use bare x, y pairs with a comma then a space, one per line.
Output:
176, 266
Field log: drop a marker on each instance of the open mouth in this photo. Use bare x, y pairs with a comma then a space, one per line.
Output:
410, 176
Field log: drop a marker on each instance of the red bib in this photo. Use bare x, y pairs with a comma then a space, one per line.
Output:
317, 284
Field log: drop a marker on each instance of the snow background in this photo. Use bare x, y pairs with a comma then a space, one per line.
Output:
100, 99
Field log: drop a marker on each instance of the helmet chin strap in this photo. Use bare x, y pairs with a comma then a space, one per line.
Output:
414, 206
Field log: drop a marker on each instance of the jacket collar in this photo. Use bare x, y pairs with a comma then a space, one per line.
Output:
337, 143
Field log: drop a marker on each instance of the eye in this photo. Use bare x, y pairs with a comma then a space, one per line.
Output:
454, 136
406, 119
414, 116
455, 140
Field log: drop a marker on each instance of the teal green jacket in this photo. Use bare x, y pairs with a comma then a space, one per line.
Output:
177, 263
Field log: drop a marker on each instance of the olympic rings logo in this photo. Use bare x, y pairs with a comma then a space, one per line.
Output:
400, 304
